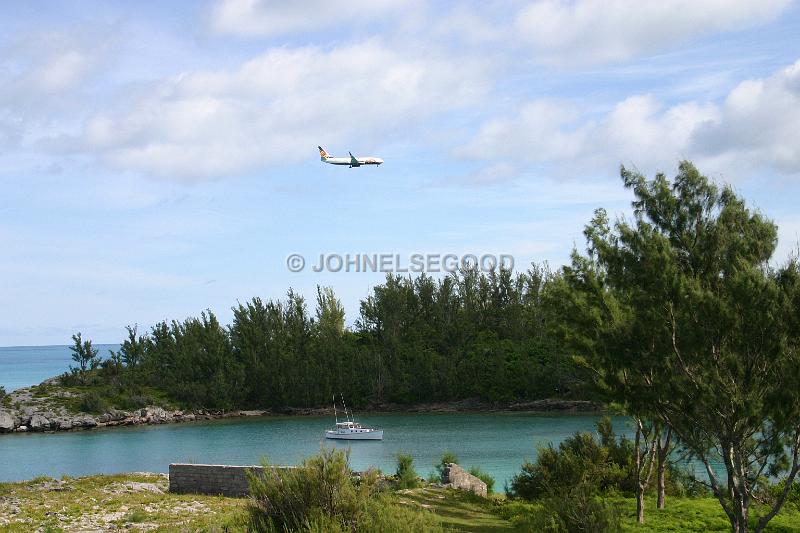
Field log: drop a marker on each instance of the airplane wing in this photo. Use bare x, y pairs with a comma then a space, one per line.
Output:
353, 161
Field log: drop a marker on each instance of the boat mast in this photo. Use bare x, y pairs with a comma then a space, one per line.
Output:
334, 409
349, 418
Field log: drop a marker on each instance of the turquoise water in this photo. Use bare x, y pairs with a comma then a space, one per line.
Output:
498, 442
22, 366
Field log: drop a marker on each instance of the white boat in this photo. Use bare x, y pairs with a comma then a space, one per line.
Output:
350, 429
353, 431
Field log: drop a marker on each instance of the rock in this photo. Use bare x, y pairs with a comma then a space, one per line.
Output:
21, 429
456, 477
84, 422
7, 422
116, 415
63, 424
39, 423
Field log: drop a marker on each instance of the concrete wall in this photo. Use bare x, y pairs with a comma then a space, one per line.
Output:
458, 478
226, 480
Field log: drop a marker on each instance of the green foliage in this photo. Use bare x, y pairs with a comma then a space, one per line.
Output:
3, 393
92, 402
597, 466
470, 335
683, 318
579, 509
447, 457
319, 491
483, 476
383, 515
406, 475
85, 355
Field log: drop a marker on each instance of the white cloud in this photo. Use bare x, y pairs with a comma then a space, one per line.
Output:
758, 124
277, 107
264, 18
596, 31
755, 127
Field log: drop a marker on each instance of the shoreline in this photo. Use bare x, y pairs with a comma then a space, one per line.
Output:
32, 417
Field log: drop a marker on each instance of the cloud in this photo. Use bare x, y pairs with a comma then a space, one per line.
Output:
758, 123
598, 31
276, 107
43, 74
755, 127
263, 18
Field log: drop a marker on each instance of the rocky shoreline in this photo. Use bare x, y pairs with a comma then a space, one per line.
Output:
33, 414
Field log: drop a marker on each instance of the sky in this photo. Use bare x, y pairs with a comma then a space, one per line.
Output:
160, 158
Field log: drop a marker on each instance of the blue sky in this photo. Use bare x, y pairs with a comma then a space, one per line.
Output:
159, 158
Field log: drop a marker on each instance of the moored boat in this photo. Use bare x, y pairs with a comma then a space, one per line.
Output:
353, 431
350, 429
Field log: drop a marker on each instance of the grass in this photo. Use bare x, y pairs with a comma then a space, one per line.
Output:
72, 397
695, 514
139, 502
128, 501
457, 510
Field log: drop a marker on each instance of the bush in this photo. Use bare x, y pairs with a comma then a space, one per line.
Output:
447, 457
577, 511
406, 475
92, 402
383, 516
3, 393
483, 476
318, 493
580, 459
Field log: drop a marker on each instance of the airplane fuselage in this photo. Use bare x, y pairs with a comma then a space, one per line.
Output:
347, 161
351, 161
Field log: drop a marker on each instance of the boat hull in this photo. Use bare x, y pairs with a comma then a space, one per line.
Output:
366, 435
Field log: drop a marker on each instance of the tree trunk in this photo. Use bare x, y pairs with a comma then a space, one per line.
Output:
640, 506
663, 453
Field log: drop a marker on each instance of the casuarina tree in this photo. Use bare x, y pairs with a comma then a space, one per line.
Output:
687, 320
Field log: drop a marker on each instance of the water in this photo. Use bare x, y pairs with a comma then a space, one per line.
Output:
498, 442
23, 366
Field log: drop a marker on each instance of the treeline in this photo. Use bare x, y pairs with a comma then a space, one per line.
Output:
416, 340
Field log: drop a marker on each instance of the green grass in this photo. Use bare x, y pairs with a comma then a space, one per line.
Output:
696, 514
457, 510
128, 502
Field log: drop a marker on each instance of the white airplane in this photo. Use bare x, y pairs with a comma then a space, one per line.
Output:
351, 161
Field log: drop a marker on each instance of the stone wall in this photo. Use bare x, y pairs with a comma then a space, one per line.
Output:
225, 480
456, 477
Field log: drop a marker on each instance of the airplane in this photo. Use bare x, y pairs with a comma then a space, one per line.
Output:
352, 161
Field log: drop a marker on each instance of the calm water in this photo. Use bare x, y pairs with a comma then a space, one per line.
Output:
497, 442
22, 366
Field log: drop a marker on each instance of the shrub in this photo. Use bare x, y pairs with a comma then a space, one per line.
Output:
383, 516
92, 402
319, 493
580, 459
406, 475
2, 393
483, 476
577, 511
447, 457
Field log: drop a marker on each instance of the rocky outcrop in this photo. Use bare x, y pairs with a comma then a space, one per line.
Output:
39, 423
456, 477
7, 422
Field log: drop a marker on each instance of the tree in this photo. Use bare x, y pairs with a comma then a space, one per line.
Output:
132, 351
682, 305
84, 355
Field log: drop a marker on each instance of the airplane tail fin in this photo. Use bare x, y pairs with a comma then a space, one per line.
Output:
322, 153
